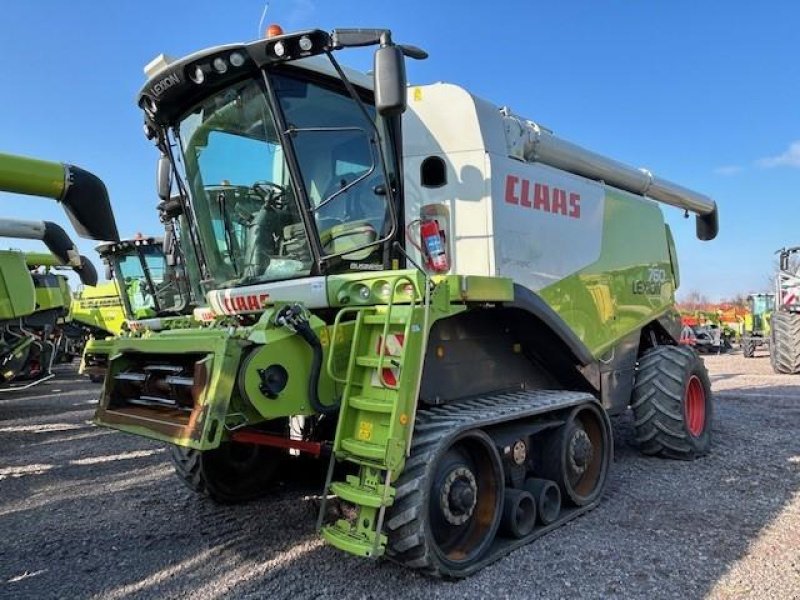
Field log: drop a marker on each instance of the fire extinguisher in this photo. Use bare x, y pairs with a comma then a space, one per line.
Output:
433, 245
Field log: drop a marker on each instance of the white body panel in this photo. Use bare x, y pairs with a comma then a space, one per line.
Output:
310, 291
506, 217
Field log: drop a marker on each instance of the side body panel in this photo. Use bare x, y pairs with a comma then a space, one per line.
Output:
597, 255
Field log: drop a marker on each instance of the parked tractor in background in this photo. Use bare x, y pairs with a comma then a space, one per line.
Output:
413, 282
756, 330
785, 323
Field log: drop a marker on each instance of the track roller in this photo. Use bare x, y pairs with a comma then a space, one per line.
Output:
548, 499
577, 455
519, 513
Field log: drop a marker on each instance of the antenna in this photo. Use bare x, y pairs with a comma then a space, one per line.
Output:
263, 18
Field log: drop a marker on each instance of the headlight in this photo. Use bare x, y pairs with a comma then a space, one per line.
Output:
198, 76
305, 43
220, 65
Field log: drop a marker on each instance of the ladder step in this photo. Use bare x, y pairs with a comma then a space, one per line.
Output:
364, 449
351, 491
373, 362
381, 320
340, 535
371, 404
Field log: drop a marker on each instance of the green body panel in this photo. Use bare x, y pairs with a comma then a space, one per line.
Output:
31, 176
50, 293
99, 307
17, 294
630, 284
279, 346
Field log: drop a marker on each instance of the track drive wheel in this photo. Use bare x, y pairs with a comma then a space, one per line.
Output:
234, 472
785, 351
748, 348
672, 403
577, 455
449, 504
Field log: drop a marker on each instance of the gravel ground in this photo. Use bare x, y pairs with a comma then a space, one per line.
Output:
90, 513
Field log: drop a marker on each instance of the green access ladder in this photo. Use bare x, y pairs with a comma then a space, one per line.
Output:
377, 412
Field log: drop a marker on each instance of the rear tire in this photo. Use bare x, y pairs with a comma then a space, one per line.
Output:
672, 404
233, 473
785, 350
748, 348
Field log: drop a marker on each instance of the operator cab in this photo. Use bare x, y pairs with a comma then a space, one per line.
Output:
147, 284
286, 164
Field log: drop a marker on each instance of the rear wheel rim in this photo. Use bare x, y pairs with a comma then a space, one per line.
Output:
695, 406
465, 501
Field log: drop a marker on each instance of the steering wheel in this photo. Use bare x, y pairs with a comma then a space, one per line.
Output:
272, 194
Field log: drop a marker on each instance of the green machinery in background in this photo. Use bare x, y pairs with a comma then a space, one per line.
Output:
34, 299
438, 295
35, 331
756, 329
139, 279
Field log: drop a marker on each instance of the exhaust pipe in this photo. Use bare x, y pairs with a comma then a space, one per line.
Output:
532, 143
82, 194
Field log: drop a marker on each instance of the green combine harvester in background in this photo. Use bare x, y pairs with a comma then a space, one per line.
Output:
756, 329
138, 271
34, 300
418, 285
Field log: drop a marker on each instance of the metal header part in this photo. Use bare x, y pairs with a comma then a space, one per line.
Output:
532, 143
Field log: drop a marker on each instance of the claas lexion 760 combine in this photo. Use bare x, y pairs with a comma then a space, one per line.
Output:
34, 300
441, 296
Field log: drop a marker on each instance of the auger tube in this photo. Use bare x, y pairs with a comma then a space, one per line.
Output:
52, 234
85, 271
534, 143
82, 194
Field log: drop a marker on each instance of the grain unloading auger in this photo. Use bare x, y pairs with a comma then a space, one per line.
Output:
82, 195
441, 295
33, 305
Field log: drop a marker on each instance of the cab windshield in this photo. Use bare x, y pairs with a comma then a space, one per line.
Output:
247, 211
150, 287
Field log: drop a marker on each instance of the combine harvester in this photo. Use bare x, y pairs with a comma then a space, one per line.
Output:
429, 289
34, 304
34, 301
141, 289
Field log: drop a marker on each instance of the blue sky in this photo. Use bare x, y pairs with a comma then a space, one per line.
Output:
704, 94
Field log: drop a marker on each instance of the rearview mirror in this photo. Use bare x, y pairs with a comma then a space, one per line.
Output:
164, 177
390, 81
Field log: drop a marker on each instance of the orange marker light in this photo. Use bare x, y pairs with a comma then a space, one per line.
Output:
273, 30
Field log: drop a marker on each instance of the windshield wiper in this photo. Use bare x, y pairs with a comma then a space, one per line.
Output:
227, 228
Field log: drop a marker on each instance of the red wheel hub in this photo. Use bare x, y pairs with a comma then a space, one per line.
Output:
694, 400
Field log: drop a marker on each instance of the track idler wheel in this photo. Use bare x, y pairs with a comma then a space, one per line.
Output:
577, 455
519, 513
548, 499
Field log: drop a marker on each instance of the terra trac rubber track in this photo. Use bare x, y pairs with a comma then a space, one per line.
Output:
409, 540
